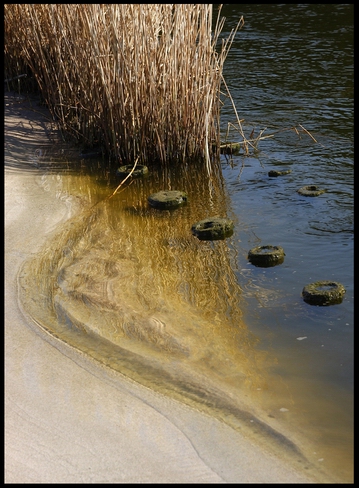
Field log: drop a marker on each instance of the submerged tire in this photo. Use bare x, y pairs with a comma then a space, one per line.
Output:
167, 199
310, 191
140, 170
279, 173
266, 256
230, 148
213, 229
323, 293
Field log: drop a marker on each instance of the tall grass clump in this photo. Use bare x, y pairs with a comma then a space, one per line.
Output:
143, 81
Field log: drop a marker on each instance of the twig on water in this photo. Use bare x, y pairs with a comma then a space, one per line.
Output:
309, 134
123, 181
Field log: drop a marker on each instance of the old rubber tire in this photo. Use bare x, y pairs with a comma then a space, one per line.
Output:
167, 199
213, 229
266, 256
323, 293
310, 191
140, 170
230, 148
274, 172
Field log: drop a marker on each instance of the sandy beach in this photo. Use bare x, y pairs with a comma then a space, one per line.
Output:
70, 420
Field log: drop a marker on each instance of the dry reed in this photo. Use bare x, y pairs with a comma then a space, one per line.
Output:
142, 81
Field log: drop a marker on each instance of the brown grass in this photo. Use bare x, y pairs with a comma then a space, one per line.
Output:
143, 81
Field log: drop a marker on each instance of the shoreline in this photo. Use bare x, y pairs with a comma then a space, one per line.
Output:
66, 418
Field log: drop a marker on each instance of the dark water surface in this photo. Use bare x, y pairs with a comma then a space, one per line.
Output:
132, 287
291, 65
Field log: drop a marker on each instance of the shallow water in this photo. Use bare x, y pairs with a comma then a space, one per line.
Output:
195, 319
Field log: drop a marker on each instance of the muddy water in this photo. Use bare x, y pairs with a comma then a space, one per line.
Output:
144, 289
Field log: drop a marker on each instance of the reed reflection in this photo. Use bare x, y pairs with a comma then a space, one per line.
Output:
136, 278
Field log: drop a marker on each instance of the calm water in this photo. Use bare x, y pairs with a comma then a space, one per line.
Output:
291, 65
195, 319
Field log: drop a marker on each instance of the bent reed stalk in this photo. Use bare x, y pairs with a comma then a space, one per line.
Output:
142, 81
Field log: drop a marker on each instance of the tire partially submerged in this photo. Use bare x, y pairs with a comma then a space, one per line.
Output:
213, 229
167, 199
230, 148
310, 191
140, 170
266, 256
274, 172
323, 293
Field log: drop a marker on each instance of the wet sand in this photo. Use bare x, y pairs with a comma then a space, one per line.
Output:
70, 420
